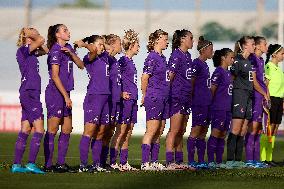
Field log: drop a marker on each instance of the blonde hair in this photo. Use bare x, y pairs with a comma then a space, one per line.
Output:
22, 39
153, 37
110, 39
130, 38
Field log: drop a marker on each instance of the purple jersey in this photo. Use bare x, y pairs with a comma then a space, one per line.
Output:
180, 64
128, 76
223, 95
65, 63
159, 82
201, 94
98, 72
115, 78
258, 68
29, 68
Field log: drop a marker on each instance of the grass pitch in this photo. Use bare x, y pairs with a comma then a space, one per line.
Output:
244, 178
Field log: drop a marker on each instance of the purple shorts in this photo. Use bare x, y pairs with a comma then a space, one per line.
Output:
115, 111
55, 104
31, 105
96, 109
129, 111
221, 120
180, 106
257, 110
156, 108
200, 116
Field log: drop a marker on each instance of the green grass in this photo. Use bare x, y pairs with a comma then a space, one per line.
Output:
245, 178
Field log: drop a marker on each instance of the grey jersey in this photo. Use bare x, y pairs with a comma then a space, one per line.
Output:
242, 70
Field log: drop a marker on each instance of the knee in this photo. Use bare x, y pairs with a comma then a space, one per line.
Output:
26, 130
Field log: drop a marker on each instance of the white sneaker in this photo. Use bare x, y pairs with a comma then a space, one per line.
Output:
158, 166
116, 167
147, 167
127, 167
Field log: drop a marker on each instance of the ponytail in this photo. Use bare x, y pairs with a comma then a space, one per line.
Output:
51, 35
272, 49
178, 35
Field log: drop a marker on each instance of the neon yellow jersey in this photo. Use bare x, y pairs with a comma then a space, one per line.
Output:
275, 75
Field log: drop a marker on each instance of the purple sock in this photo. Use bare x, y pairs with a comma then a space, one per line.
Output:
220, 150
256, 152
84, 149
63, 143
96, 151
112, 155
123, 156
155, 152
191, 144
20, 147
211, 148
179, 157
249, 146
169, 157
201, 148
104, 154
145, 152
34, 146
48, 148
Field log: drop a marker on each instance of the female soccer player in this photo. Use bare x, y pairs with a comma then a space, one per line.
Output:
242, 95
260, 94
155, 85
275, 81
201, 99
57, 95
96, 103
30, 45
113, 47
180, 94
129, 107
221, 116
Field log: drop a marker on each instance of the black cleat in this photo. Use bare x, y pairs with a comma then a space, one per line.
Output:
64, 169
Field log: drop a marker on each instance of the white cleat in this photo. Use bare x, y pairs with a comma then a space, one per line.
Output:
147, 167
127, 167
116, 167
158, 166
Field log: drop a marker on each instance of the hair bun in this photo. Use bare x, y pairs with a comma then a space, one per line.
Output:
201, 38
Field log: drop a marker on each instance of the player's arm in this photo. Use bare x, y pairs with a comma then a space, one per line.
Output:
144, 84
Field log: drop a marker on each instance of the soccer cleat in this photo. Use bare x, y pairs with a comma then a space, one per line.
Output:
127, 167
202, 165
240, 164
48, 169
31, 167
173, 167
184, 166
17, 168
158, 166
63, 169
100, 169
250, 164
228, 165
147, 167
212, 165
116, 167
83, 169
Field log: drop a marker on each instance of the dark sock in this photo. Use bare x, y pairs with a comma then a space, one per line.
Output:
231, 146
239, 148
